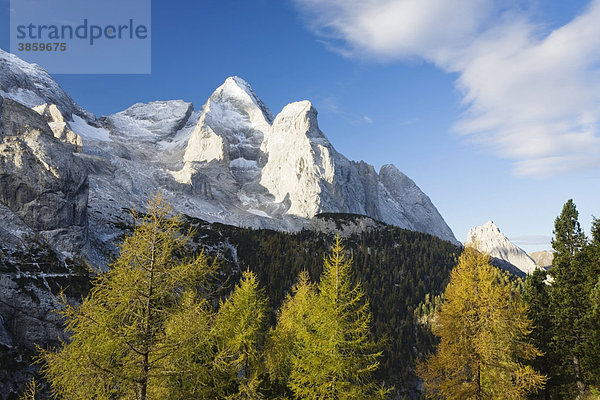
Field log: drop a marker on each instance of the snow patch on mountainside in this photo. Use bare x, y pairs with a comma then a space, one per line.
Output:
231, 161
155, 121
30, 85
86, 131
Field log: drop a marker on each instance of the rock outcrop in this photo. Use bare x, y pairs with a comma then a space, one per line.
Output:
231, 161
61, 128
41, 180
30, 85
489, 239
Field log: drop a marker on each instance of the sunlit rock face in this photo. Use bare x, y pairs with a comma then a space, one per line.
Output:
231, 160
488, 238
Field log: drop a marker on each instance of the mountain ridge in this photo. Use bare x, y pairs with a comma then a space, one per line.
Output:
489, 239
231, 161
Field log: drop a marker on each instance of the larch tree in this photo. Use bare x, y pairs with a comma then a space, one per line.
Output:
240, 329
483, 330
292, 323
322, 339
142, 332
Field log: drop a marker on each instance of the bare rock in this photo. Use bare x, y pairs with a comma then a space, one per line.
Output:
61, 128
41, 180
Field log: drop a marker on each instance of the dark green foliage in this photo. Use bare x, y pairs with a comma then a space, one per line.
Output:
567, 326
536, 295
568, 237
396, 267
568, 299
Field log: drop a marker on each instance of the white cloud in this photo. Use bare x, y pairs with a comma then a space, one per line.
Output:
368, 119
529, 95
529, 240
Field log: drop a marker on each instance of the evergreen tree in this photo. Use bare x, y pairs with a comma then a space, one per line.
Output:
570, 300
142, 332
536, 293
568, 237
483, 330
596, 232
592, 348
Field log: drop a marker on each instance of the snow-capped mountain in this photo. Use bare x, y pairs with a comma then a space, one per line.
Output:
489, 239
30, 85
230, 161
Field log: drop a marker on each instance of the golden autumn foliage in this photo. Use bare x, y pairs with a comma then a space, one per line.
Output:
483, 330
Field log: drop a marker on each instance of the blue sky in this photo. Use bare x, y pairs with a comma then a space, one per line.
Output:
492, 107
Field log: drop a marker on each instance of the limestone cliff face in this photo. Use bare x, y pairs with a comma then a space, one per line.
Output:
278, 166
300, 164
31, 85
489, 239
230, 161
61, 128
41, 180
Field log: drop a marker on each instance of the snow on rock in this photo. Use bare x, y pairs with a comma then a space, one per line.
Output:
30, 85
232, 161
89, 132
154, 121
287, 165
232, 126
489, 239
61, 129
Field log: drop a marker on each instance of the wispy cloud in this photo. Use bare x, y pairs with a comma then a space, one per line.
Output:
332, 105
529, 94
531, 240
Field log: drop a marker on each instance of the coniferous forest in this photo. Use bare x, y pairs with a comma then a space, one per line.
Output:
191, 310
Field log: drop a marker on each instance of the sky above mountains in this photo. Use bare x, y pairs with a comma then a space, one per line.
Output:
492, 107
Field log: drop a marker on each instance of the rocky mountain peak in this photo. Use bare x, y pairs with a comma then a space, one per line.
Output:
299, 117
30, 85
489, 239
491, 226
235, 94
231, 162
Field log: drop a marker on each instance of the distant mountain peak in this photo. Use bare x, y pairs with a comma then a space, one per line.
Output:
489, 239
491, 226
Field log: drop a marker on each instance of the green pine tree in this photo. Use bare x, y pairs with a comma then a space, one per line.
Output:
592, 347
536, 293
570, 301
